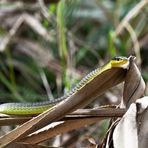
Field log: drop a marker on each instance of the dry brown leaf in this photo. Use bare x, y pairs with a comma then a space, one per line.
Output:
80, 113
13, 120
131, 132
142, 122
58, 128
103, 111
80, 99
125, 133
134, 84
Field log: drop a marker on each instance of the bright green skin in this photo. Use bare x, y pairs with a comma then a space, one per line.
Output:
39, 107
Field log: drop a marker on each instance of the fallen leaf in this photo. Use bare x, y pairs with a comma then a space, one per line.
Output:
134, 85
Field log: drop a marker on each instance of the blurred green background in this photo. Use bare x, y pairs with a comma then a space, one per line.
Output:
46, 48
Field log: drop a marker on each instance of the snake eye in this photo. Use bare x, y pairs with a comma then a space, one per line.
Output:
119, 58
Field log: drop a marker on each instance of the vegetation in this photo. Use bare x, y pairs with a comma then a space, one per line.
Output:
46, 48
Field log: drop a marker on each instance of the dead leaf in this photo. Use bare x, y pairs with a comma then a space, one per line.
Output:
131, 132
134, 84
58, 128
80, 113
125, 133
142, 120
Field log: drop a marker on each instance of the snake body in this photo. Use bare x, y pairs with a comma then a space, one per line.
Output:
39, 107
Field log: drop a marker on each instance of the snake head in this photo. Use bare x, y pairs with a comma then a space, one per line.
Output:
120, 61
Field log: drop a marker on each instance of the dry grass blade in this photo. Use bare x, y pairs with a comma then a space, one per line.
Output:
107, 79
37, 26
62, 127
30, 21
125, 23
80, 113
59, 128
11, 34
135, 11
34, 50
13, 120
134, 84
100, 112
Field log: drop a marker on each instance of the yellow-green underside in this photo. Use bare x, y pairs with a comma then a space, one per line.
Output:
26, 110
